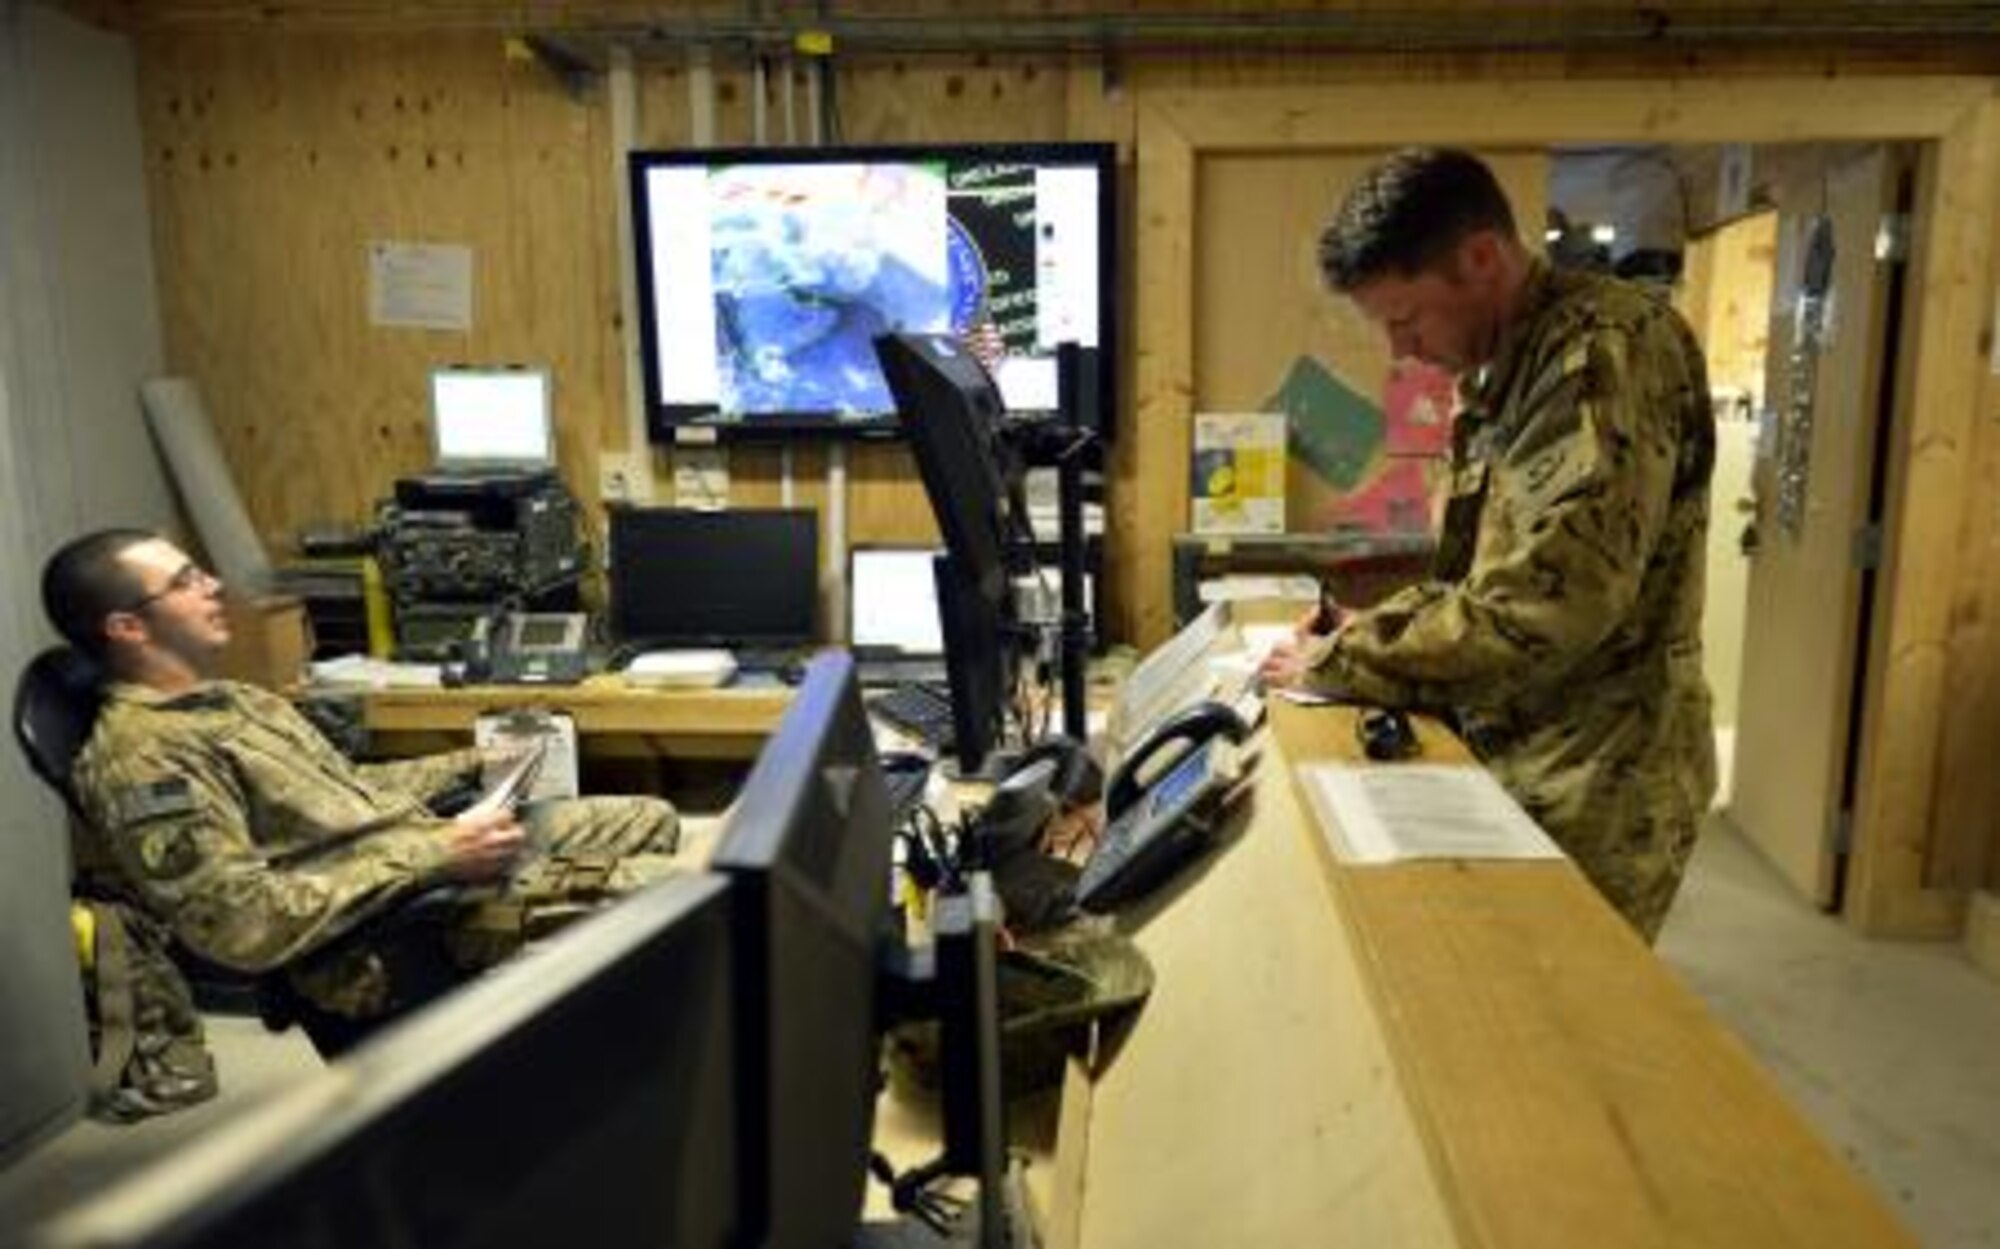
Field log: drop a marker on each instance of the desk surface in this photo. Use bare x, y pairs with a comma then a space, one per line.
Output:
603, 704
1440, 1053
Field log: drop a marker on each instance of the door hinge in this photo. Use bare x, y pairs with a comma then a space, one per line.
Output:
1842, 833
1867, 552
1892, 238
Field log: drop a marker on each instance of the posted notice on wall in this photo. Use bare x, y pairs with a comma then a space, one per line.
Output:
424, 286
1238, 481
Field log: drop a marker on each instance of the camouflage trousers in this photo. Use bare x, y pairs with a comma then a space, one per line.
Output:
1622, 787
583, 854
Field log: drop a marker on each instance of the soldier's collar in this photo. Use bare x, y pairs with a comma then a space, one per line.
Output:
196, 697
1489, 382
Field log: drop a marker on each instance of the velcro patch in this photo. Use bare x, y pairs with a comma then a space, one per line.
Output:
154, 800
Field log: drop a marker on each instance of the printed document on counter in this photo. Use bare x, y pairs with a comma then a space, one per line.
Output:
1387, 814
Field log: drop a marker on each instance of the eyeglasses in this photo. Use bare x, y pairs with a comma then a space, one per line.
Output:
187, 577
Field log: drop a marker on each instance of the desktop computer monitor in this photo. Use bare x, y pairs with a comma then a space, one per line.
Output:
580, 1095
764, 274
807, 853
951, 412
979, 663
951, 415
741, 578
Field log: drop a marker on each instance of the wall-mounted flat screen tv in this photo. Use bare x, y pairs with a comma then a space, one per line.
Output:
765, 275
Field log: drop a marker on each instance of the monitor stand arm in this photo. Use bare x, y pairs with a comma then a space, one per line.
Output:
956, 982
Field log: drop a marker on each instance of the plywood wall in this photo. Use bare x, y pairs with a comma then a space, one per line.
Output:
1262, 310
275, 159
274, 162
1966, 850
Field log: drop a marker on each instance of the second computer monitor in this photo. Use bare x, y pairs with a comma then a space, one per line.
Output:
584, 1094
745, 577
950, 412
807, 851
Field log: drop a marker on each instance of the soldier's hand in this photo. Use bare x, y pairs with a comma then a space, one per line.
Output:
1286, 665
484, 844
1320, 619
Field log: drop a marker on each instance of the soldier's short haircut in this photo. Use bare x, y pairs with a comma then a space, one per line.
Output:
85, 581
1408, 213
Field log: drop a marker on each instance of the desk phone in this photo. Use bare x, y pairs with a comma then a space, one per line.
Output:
529, 648
1154, 827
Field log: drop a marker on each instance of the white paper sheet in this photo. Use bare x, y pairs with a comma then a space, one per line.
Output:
1388, 814
553, 733
426, 286
364, 672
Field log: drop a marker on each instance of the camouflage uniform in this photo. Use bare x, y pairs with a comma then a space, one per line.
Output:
257, 842
1561, 625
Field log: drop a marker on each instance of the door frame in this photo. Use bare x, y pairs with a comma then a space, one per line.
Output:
1956, 123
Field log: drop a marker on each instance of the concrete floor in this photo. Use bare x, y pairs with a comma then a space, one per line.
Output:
1891, 1049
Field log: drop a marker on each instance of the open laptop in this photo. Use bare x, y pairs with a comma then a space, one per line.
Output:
491, 421
892, 615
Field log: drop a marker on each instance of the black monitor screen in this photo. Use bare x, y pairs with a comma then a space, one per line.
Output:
979, 663
808, 853
951, 413
580, 1095
766, 273
743, 577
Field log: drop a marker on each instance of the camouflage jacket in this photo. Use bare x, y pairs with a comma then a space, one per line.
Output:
244, 829
1561, 623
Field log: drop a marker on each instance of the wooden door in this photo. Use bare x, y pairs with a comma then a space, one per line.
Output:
1815, 513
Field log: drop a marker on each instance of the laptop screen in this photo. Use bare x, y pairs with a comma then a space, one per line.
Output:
491, 419
892, 602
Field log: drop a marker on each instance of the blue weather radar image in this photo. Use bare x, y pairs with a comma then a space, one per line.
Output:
810, 264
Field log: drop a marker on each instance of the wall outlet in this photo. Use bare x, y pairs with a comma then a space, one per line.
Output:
625, 478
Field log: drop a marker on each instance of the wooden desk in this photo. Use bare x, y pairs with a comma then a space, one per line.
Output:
612, 717
1463, 1054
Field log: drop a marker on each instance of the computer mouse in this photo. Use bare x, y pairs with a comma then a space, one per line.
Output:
792, 671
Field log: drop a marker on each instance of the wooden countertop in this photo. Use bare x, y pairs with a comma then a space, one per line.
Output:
601, 704
1442, 1053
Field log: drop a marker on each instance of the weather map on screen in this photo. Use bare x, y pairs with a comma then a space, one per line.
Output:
767, 274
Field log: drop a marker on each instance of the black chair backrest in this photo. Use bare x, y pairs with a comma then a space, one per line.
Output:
55, 706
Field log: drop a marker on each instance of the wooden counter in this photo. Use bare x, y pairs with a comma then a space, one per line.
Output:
611, 717
1450, 1053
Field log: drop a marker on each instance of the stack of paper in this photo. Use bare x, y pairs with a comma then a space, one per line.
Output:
363, 672
1386, 814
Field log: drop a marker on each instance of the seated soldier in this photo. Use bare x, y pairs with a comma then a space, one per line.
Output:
240, 826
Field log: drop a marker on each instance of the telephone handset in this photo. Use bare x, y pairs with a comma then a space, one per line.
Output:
1191, 727
1154, 826
523, 648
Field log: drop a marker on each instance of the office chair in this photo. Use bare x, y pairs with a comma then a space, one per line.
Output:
56, 702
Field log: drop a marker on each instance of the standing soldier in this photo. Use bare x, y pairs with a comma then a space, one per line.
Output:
1560, 627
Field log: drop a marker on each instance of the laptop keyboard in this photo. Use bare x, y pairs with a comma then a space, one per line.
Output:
906, 787
923, 711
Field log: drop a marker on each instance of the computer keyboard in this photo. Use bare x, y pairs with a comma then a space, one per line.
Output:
923, 711
907, 778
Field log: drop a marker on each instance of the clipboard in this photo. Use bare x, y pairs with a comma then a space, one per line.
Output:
507, 793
